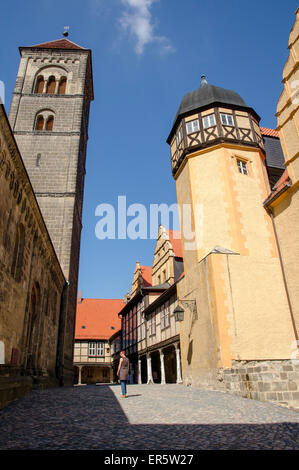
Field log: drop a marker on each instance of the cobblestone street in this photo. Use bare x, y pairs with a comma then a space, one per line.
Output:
153, 417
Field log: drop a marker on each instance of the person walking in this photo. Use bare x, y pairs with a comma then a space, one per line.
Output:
123, 372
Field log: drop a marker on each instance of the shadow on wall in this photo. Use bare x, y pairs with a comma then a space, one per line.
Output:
87, 418
190, 352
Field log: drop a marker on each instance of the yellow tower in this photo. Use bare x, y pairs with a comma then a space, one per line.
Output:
231, 262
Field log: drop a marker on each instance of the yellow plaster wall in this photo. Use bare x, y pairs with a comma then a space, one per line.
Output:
245, 300
199, 335
286, 219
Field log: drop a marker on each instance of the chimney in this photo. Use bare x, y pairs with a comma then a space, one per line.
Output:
79, 298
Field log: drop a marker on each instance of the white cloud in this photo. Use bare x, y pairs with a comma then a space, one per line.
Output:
137, 20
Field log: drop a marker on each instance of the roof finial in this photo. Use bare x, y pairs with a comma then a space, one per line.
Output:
203, 80
65, 32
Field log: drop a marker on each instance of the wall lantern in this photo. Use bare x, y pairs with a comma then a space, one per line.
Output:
179, 313
179, 310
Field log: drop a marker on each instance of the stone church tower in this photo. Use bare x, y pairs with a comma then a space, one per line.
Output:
49, 117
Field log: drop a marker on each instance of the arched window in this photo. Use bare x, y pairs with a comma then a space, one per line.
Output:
40, 82
62, 86
51, 85
18, 255
49, 123
39, 126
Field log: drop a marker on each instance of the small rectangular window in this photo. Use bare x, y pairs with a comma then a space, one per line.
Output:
227, 119
209, 121
162, 314
179, 136
165, 320
152, 324
242, 166
96, 349
192, 126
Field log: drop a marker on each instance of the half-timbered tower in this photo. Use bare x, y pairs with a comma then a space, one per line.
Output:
231, 260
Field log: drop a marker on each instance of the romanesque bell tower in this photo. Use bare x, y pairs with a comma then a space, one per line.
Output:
49, 117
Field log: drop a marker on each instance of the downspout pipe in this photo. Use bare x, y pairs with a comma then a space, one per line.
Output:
61, 331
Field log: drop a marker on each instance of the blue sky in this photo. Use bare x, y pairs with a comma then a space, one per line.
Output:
146, 55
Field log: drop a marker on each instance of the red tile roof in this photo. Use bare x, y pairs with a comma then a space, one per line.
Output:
58, 44
146, 273
283, 182
95, 317
176, 242
269, 132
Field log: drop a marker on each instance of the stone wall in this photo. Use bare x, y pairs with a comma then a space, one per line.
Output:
274, 381
31, 281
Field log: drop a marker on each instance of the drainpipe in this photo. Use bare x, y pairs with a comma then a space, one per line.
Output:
61, 330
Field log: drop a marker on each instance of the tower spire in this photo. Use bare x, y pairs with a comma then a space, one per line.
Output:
203, 80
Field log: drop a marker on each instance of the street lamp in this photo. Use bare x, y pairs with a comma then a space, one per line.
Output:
179, 313
179, 310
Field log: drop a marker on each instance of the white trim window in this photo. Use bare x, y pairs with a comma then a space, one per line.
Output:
179, 136
152, 324
209, 121
242, 166
143, 329
165, 321
96, 349
192, 126
227, 119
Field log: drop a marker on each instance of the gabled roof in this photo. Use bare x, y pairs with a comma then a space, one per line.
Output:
57, 44
98, 318
176, 242
146, 274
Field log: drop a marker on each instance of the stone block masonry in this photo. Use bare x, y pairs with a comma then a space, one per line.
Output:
55, 157
274, 381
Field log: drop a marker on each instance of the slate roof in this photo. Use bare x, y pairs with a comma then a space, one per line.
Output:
204, 97
207, 94
274, 154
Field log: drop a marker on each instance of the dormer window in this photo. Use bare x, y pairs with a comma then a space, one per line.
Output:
227, 119
192, 126
208, 121
179, 136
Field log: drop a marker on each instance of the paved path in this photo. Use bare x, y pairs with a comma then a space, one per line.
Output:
153, 417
